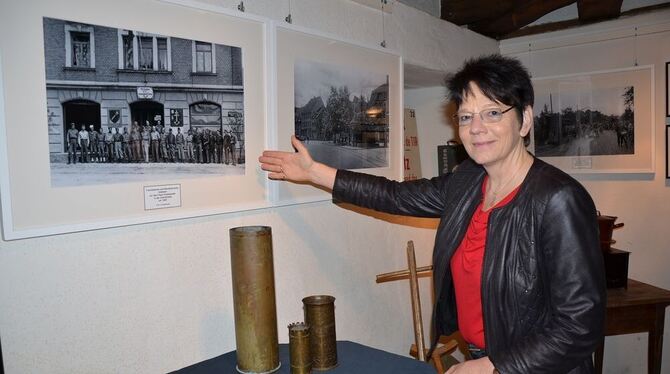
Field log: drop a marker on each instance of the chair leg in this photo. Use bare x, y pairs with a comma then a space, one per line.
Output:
416, 302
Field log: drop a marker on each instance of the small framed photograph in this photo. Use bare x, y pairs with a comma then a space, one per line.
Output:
343, 101
667, 89
596, 122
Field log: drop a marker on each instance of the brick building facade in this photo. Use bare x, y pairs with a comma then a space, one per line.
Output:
107, 77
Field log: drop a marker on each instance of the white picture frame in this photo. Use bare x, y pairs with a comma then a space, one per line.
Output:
31, 206
586, 91
294, 44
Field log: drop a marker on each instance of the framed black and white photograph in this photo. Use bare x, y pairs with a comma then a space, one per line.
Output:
667, 152
145, 92
343, 100
341, 114
102, 103
599, 122
667, 89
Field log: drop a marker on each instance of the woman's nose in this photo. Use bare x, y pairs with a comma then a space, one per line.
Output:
477, 125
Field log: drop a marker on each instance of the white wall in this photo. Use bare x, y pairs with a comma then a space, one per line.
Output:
432, 125
640, 201
157, 297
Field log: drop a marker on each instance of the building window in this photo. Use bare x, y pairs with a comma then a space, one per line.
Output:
146, 46
79, 46
162, 47
81, 49
141, 51
204, 57
128, 51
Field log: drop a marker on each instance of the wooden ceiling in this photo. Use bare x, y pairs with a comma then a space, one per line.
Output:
502, 19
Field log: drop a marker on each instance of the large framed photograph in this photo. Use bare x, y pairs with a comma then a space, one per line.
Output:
133, 113
599, 122
343, 101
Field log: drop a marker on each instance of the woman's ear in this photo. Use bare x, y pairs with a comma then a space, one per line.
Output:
527, 122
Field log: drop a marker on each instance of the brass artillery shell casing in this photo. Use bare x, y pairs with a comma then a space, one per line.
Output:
298, 346
320, 316
254, 299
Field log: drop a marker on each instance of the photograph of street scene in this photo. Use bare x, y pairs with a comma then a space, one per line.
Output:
584, 122
130, 106
341, 114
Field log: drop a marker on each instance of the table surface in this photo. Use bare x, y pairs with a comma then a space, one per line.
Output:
637, 293
352, 358
638, 308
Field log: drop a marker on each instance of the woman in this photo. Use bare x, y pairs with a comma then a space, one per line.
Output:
517, 262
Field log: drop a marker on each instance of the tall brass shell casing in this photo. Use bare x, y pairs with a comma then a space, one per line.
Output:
298, 347
320, 317
254, 299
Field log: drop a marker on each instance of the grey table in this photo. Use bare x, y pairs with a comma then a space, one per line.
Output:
352, 358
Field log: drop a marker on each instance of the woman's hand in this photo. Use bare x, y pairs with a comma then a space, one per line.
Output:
297, 166
479, 366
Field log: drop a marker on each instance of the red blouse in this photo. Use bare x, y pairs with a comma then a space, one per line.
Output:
466, 270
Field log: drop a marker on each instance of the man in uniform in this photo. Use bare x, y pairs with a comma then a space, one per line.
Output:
171, 145
211, 146
233, 144
93, 143
197, 144
102, 145
189, 145
155, 144
127, 153
136, 143
204, 136
109, 144
226, 147
118, 145
146, 139
219, 147
72, 142
82, 136
164, 152
180, 145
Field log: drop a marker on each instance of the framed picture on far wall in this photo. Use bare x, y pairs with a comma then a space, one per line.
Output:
128, 108
667, 89
598, 122
343, 100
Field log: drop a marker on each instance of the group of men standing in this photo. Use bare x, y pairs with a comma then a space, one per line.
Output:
150, 144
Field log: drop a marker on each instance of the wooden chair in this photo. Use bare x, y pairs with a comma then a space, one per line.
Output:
441, 356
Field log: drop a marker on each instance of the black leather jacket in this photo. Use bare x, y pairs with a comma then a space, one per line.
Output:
543, 282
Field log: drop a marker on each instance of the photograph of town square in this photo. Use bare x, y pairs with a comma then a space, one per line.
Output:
127, 105
341, 114
584, 122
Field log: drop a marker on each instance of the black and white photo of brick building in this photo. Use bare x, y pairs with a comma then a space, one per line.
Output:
142, 99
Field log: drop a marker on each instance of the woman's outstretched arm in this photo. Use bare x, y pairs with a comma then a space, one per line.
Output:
297, 166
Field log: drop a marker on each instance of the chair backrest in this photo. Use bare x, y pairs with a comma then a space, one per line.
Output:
412, 273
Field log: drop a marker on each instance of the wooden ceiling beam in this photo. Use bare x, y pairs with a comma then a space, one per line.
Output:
597, 10
463, 12
563, 25
519, 17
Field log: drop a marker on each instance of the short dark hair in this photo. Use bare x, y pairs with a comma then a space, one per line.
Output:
503, 79
500, 78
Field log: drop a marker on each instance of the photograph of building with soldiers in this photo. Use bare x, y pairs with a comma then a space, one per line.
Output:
127, 105
578, 120
341, 114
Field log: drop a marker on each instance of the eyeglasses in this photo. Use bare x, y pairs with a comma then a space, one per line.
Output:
490, 115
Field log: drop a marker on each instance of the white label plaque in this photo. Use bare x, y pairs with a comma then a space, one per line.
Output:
159, 197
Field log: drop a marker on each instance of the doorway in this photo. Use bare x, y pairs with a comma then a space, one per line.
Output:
145, 110
80, 112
